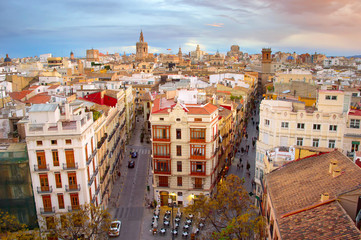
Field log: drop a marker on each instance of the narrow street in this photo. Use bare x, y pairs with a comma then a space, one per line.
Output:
247, 158
127, 199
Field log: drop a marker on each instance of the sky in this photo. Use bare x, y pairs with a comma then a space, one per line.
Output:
31, 28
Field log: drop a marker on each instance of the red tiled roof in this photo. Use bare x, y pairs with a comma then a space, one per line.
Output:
33, 87
161, 105
53, 86
40, 98
19, 95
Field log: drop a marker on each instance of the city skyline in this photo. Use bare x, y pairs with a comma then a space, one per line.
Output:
38, 27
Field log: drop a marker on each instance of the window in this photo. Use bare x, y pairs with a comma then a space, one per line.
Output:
161, 150
179, 181
354, 94
180, 194
61, 201
355, 146
179, 150
58, 180
198, 119
284, 124
328, 97
198, 183
198, 134
163, 181
355, 123
161, 119
316, 126
69, 156
55, 158
53, 142
68, 141
315, 142
331, 143
74, 200
179, 166
40, 155
266, 122
299, 142
44, 182
47, 203
300, 125
178, 119
179, 133
72, 180
198, 168
198, 151
39, 143
162, 166
161, 133
333, 128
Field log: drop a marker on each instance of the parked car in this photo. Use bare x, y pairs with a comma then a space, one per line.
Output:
131, 164
134, 154
114, 229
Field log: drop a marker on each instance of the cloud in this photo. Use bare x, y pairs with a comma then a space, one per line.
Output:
216, 25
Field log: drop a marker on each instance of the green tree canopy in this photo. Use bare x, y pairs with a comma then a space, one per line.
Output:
228, 214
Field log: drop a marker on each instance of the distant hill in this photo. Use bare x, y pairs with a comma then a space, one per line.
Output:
355, 56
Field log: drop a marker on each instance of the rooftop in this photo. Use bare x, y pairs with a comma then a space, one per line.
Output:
43, 107
161, 105
300, 183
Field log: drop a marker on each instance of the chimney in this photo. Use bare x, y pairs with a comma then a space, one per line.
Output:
67, 111
333, 164
336, 171
325, 197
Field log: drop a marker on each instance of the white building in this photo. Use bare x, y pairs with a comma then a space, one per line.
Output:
289, 122
62, 159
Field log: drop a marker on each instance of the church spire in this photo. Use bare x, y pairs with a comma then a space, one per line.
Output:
141, 38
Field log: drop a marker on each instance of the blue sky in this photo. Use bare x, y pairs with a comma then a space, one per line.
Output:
29, 28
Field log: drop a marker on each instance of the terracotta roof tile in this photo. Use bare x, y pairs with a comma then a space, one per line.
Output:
328, 221
19, 95
300, 183
53, 86
37, 99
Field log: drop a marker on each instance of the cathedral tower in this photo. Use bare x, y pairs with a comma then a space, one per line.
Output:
141, 48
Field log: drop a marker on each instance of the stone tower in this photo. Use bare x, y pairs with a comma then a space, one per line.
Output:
141, 48
72, 59
266, 64
180, 55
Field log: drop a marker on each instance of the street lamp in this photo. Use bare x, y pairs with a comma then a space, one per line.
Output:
170, 202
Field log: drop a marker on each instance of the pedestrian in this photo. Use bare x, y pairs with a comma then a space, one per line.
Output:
257, 128
240, 160
238, 167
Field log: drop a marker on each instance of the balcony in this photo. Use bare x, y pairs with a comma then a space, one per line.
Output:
163, 171
98, 189
163, 185
72, 188
40, 168
198, 173
102, 141
70, 166
47, 210
91, 157
93, 199
104, 157
43, 190
198, 186
73, 208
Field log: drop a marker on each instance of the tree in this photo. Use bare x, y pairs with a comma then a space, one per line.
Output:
228, 214
88, 221
12, 229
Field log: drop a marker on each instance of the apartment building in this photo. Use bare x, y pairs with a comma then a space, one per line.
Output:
289, 122
62, 158
185, 146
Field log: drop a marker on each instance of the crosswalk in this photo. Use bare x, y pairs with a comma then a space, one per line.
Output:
140, 151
